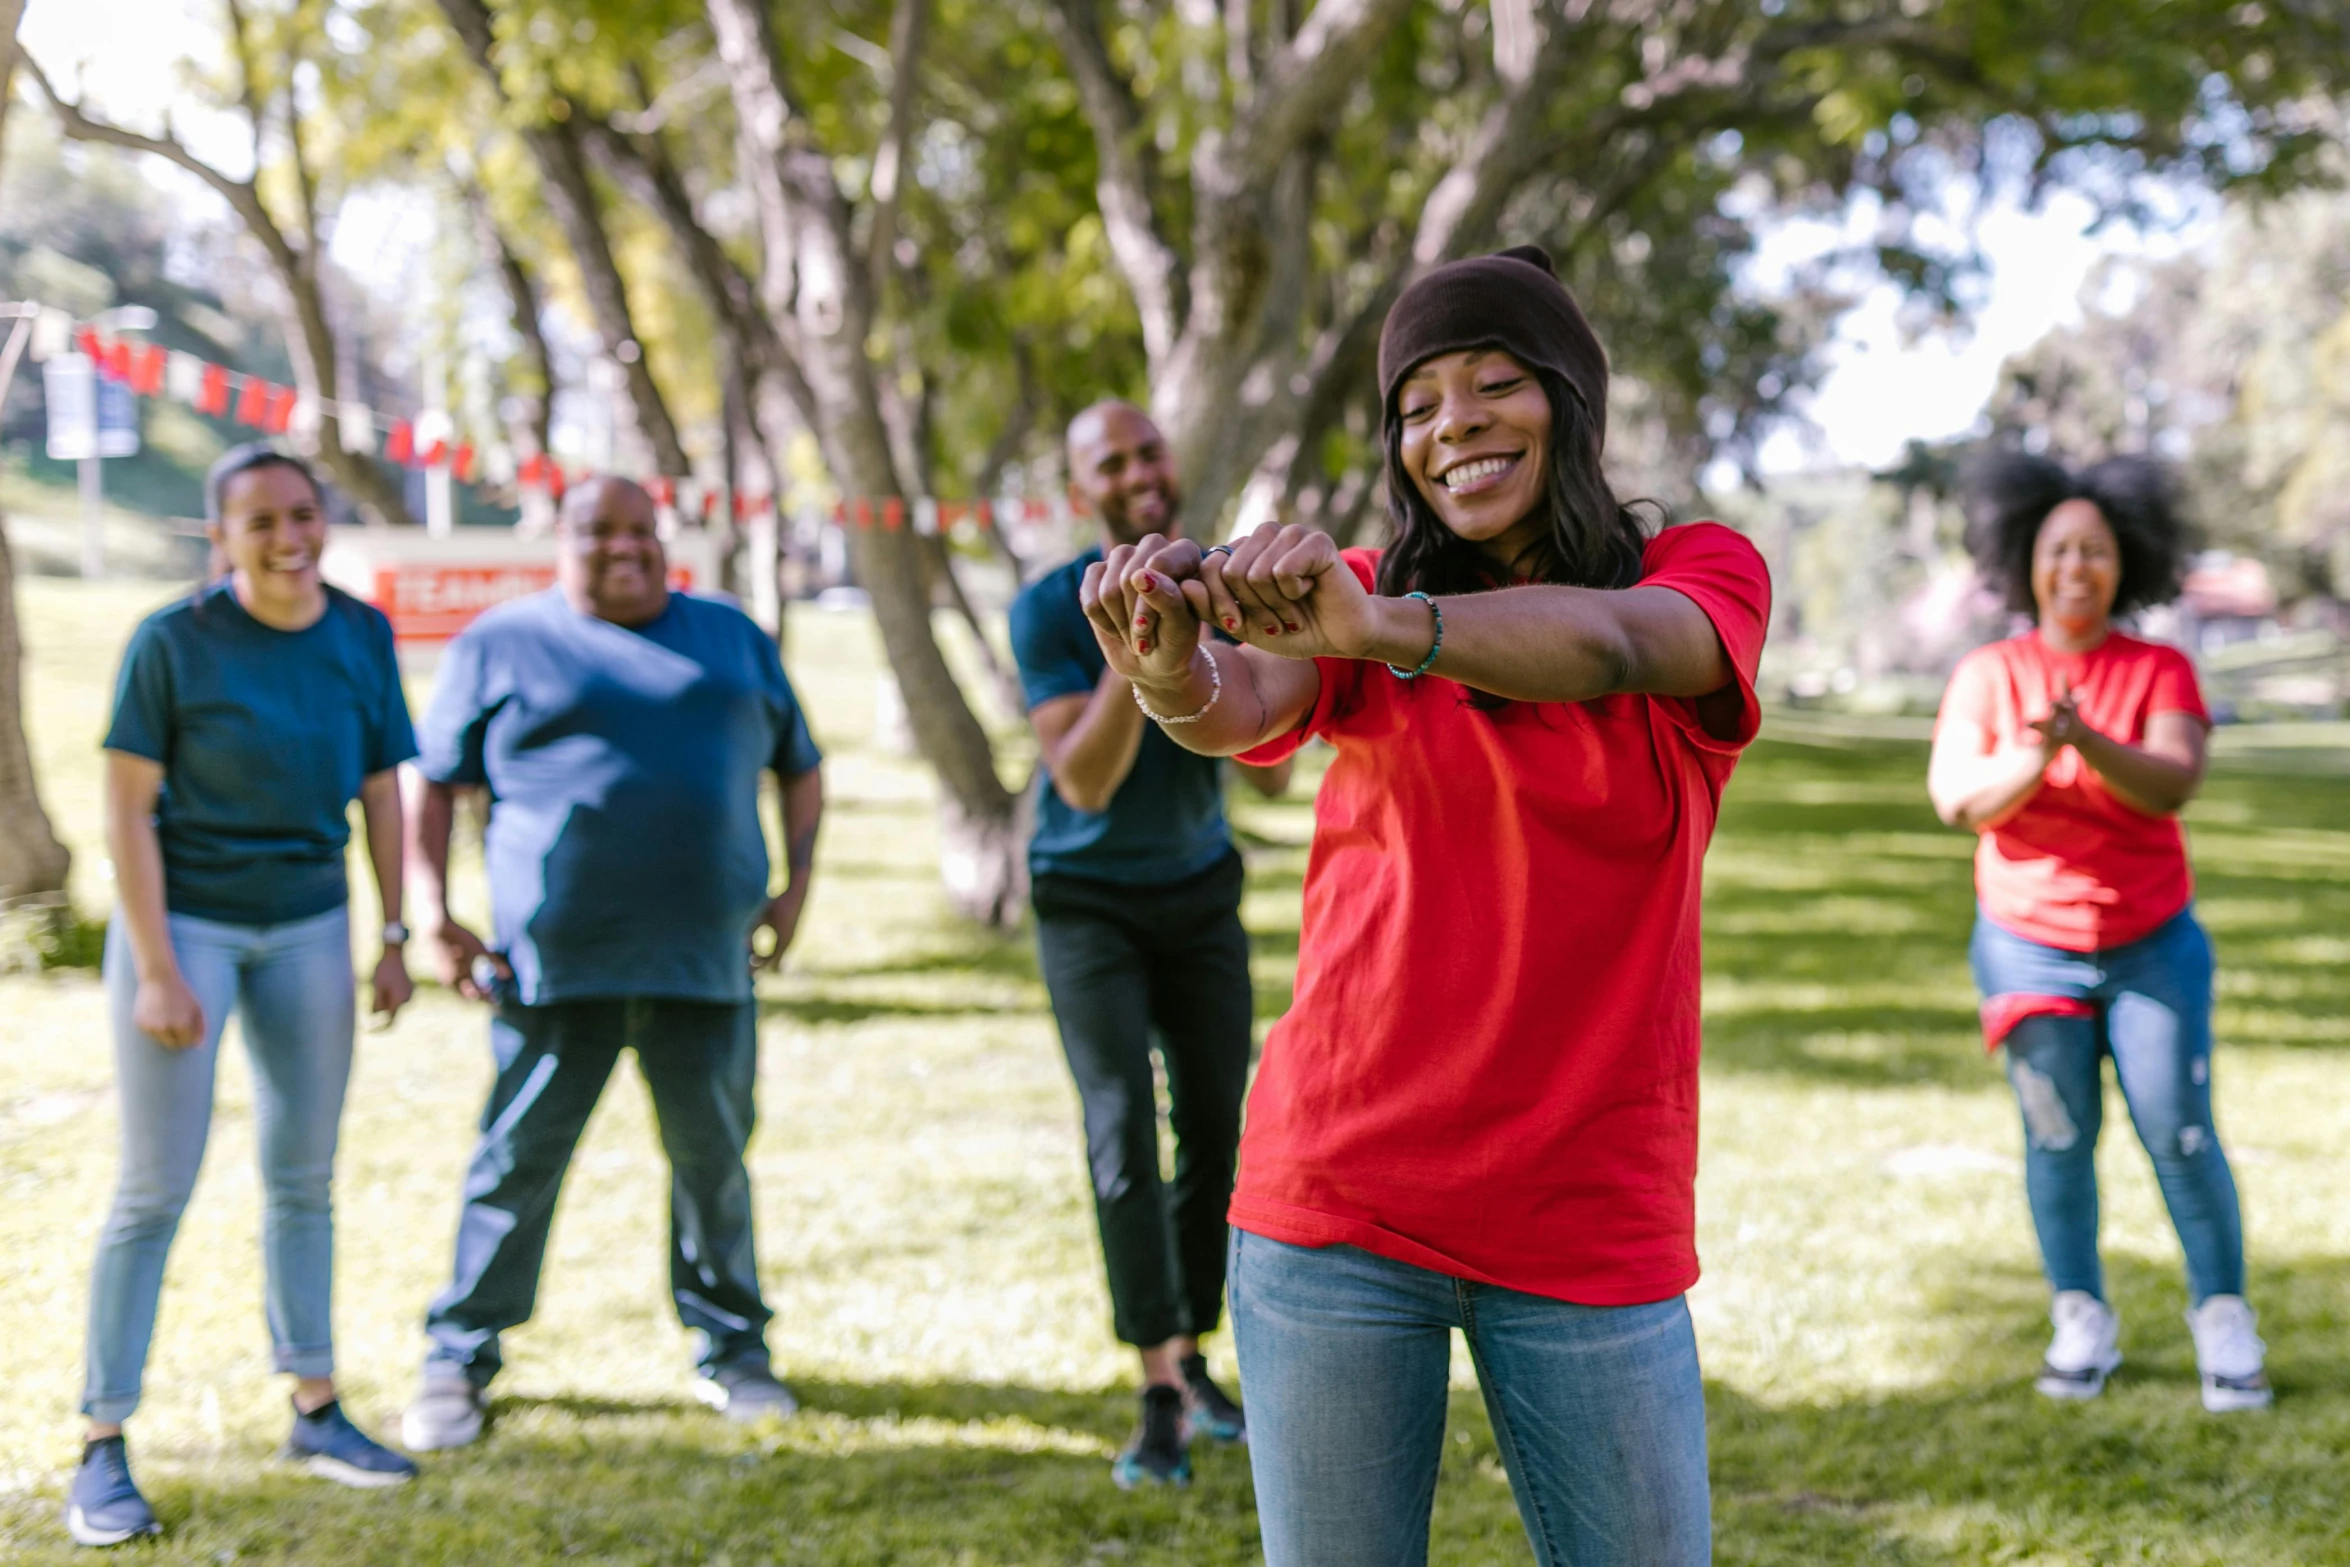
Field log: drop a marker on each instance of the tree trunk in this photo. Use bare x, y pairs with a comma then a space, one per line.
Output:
816, 289
32, 861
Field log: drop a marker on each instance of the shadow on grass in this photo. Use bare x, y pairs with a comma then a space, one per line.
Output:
818, 1011
1980, 1468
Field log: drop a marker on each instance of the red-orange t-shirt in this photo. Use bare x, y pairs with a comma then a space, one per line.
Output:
2077, 868
1490, 1067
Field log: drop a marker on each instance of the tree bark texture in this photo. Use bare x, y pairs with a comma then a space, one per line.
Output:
32, 861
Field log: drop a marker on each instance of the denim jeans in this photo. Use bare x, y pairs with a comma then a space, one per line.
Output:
1598, 1411
700, 1059
1121, 963
2152, 1001
292, 990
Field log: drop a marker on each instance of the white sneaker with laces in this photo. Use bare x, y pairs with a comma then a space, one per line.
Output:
2230, 1355
2085, 1349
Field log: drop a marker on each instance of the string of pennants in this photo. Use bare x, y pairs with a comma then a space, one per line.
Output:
429, 441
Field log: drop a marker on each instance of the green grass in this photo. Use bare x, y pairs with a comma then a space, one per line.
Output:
1869, 1318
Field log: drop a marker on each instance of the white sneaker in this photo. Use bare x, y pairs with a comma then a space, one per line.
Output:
2085, 1349
448, 1412
2230, 1355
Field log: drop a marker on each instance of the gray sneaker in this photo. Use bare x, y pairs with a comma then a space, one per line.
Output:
746, 1394
448, 1412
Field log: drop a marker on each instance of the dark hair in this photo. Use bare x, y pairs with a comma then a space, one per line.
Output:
251, 456
2009, 495
1593, 539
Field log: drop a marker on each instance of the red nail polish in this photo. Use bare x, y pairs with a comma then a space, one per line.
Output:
1142, 647
1290, 624
1231, 625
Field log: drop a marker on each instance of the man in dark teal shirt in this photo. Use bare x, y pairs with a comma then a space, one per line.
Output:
620, 731
1137, 894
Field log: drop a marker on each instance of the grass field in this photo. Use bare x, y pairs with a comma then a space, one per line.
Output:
1869, 1319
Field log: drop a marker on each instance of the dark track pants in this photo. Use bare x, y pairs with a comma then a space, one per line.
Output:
1123, 963
700, 1059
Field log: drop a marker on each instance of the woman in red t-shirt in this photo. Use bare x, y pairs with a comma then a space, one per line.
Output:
1480, 1112
2070, 750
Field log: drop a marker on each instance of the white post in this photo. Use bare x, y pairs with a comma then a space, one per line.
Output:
93, 520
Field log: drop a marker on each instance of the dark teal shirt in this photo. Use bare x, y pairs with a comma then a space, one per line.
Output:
624, 847
264, 737
1166, 821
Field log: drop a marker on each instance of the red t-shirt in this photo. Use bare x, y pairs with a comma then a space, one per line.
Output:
2076, 868
1490, 1067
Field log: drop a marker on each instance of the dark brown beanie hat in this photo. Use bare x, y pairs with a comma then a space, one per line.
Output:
1511, 301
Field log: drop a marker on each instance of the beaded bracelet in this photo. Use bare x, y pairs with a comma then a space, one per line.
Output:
1434, 648
1215, 690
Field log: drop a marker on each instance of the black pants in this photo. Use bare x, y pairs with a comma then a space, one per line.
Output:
701, 1061
1122, 963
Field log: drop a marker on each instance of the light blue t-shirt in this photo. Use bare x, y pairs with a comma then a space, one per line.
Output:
1166, 821
624, 848
264, 737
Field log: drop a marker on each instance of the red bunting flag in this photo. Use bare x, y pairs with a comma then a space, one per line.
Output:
864, 512
983, 513
893, 513
253, 402
461, 463
116, 366
212, 396
147, 370
87, 341
663, 491
533, 473
436, 455
400, 444
278, 417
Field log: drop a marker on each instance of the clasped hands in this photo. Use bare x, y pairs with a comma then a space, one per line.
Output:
1283, 589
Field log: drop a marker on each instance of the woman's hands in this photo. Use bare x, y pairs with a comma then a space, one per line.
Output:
2062, 727
1282, 589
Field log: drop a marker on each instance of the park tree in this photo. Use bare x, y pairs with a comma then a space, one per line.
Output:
267, 63
32, 862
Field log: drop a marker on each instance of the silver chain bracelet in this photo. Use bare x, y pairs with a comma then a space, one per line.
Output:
1216, 690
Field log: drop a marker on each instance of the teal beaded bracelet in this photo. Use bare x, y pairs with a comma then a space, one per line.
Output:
1434, 648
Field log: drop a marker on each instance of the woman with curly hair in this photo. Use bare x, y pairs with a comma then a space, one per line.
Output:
1480, 1113
2070, 750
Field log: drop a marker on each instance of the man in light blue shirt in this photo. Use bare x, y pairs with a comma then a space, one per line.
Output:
620, 731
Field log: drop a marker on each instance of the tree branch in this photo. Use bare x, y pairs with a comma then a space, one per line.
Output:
1303, 84
1122, 183
905, 53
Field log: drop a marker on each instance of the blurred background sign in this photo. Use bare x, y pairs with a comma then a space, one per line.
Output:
87, 417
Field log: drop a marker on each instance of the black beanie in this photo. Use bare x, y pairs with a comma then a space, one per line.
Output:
1512, 301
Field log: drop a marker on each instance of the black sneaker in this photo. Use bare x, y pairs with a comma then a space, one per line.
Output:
1157, 1455
326, 1443
103, 1506
1213, 1413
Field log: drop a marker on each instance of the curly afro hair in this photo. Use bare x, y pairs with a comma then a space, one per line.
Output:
2009, 494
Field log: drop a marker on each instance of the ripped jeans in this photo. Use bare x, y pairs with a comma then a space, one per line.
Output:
2151, 1006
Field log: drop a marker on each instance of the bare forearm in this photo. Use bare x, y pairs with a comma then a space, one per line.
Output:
138, 885
433, 813
2157, 785
1978, 793
1555, 644
803, 814
379, 807
1259, 699
1090, 760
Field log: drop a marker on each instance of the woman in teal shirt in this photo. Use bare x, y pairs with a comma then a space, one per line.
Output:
247, 719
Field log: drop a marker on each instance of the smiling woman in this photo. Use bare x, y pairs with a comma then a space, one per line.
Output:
1480, 1111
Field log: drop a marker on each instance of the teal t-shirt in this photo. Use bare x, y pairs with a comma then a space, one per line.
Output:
264, 737
623, 763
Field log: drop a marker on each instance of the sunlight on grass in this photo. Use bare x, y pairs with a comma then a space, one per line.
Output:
1870, 1315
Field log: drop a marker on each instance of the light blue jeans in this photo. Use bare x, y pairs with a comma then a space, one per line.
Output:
2152, 1001
1344, 1360
292, 989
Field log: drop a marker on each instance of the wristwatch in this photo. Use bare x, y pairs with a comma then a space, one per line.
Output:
395, 934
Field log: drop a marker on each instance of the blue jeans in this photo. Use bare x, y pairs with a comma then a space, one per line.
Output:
2152, 1001
701, 1061
291, 988
1344, 1359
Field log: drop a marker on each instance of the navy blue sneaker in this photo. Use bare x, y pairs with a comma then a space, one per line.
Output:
103, 1506
326, 1443
1213, 1413
1158, 1454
